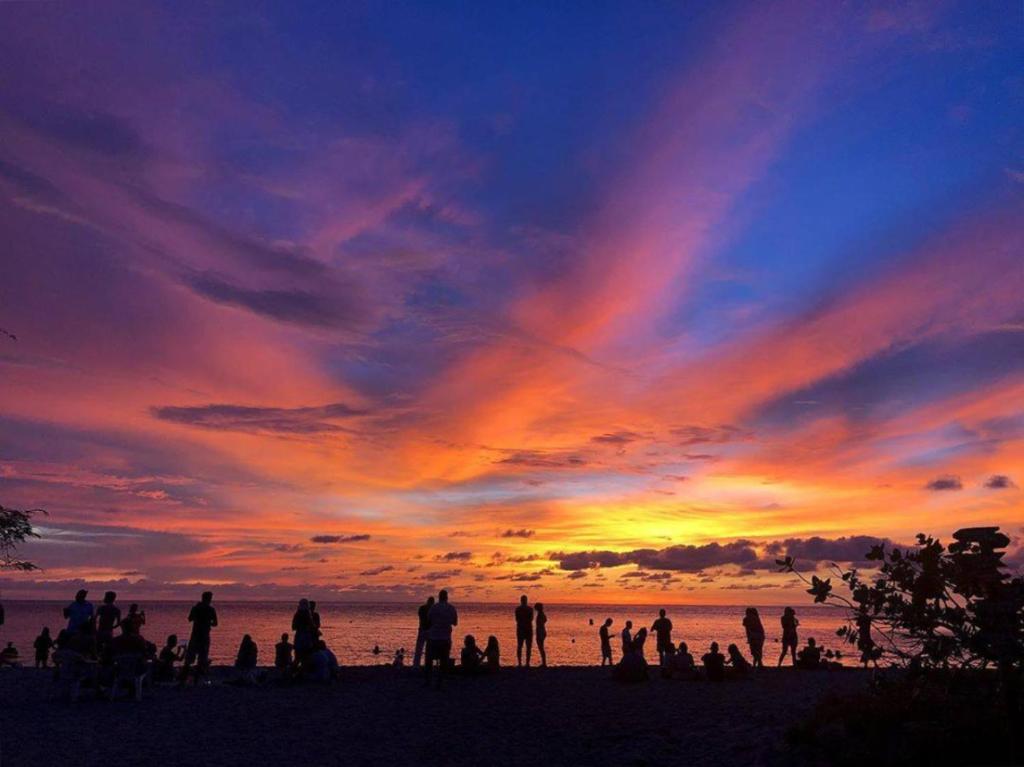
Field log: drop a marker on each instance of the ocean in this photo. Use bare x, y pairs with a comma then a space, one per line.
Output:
353, 629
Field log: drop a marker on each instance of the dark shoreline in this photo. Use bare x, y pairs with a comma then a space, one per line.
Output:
382, 716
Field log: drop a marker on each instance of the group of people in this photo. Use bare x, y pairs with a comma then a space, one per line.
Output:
100, 640
676, 660
437, 620
105, 636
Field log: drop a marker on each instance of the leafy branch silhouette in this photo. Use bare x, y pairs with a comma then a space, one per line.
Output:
930, 605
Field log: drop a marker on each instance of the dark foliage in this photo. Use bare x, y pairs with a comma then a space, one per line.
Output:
932, 606
15, 529
950, 620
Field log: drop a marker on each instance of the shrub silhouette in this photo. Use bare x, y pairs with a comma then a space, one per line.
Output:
930, 605
15, 529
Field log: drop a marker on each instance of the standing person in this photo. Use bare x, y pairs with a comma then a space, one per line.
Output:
542, 634
79, 612
108, 618
662, 629
865, 642
42, 646
606, 641
789, 635
203, 617
304, 627
524, 631
132, 623
755, 636
421, 632
627, 638
316, 619
443, 618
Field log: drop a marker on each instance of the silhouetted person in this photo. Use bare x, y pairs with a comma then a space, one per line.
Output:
755, 636
606, 641
169, 655
133, 622
683, 665
470, 656
421, 632
82, 641
492, 654
737, 661
42, 646
246, 661
323, 664
524, 631
443, 618
203, 618
79, 612
662, 628
789, 635
865, 642
638, 643
9, 655
542, 634
810, 656
305, 631
108, 618
3, 617
714, 664
316, 619
627, 638
283, 653
632, 667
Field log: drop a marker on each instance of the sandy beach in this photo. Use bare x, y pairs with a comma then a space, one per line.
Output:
375, 716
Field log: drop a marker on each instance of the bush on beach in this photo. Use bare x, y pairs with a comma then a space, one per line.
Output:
950, 620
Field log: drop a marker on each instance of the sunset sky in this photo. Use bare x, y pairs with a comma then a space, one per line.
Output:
602, 301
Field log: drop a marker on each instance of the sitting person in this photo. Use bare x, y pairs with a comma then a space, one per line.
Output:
163, 669
127, 644
470, 656
9, 655
42, 646
492, 655
810, 656
122, 656
714, 664
133, 622
637, 645
740, 664
323, 664
631, 667
246, 661
399, 660
283, 653
682, 664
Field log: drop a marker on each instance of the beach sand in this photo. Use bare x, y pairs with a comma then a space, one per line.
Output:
377, 716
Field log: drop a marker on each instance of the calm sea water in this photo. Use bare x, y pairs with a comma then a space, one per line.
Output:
352, 629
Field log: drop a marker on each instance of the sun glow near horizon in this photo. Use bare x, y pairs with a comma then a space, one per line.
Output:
611, 314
